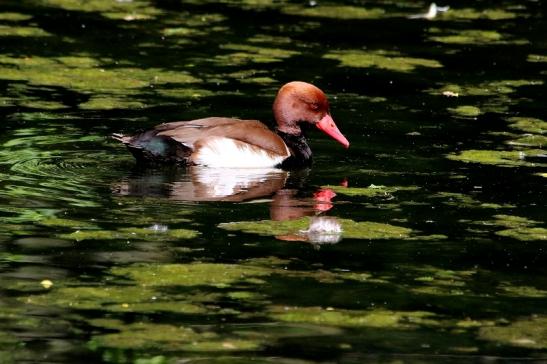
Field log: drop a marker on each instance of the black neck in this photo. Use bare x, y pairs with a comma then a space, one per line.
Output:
300, 151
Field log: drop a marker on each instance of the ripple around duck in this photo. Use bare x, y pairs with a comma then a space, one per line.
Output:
53, 167
72, 177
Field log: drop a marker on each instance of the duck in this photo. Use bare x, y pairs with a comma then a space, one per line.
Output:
222, 142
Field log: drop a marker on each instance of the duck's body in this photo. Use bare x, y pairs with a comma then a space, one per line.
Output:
234, 143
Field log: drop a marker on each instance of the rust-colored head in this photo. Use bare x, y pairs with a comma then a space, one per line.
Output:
300, 102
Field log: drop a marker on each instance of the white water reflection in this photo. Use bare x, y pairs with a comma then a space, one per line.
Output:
323, 230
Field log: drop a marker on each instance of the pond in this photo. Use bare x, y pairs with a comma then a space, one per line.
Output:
424, 241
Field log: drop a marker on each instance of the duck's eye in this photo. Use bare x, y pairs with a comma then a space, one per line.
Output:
314, 106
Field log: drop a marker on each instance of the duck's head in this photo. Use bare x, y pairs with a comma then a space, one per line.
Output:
299, 104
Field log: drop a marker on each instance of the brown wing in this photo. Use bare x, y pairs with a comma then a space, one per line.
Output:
248, 131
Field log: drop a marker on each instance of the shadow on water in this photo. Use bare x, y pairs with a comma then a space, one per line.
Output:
427, 234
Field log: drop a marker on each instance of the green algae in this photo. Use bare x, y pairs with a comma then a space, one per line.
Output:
267, 39
118, 299
183, 94
109, 85
334, 11
528, 145
504, 158
527, 333
181, 32
149, 335
473, 13
525, 234
529, 140
119, 10
517, 227
468, 37
370, 191
528, 125
133, 233
249, 79
246, 296
194, 26
350, 229
66, 223
15, 17
244, 53
146, 292
388, 60
537, 58
176, 304
450, 275
109, 103
217, 275
522, 291
466, 111
22, 31
455, 199
459, 200
203, 20
379, 318
497, 88
473, 37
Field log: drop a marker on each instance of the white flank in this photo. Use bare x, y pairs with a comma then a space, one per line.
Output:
228, 153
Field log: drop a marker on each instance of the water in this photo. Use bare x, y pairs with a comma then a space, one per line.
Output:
423, 242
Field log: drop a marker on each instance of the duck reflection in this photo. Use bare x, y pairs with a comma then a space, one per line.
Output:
203, 184
283, 189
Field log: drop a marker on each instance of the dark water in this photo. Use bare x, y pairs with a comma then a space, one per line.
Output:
435, 249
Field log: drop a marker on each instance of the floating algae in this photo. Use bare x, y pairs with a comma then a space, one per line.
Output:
350, 229
388, 60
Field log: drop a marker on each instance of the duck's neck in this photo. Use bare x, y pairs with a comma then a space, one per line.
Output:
301, 155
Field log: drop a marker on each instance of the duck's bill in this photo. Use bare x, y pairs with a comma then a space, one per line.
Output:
327, 125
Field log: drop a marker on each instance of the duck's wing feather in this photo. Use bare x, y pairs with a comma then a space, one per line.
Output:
252, 132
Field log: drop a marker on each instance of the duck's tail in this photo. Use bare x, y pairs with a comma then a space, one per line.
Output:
122, 138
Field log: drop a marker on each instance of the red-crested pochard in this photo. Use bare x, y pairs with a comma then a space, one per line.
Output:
235, 143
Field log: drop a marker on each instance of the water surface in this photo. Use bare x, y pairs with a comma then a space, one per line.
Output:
435, 249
